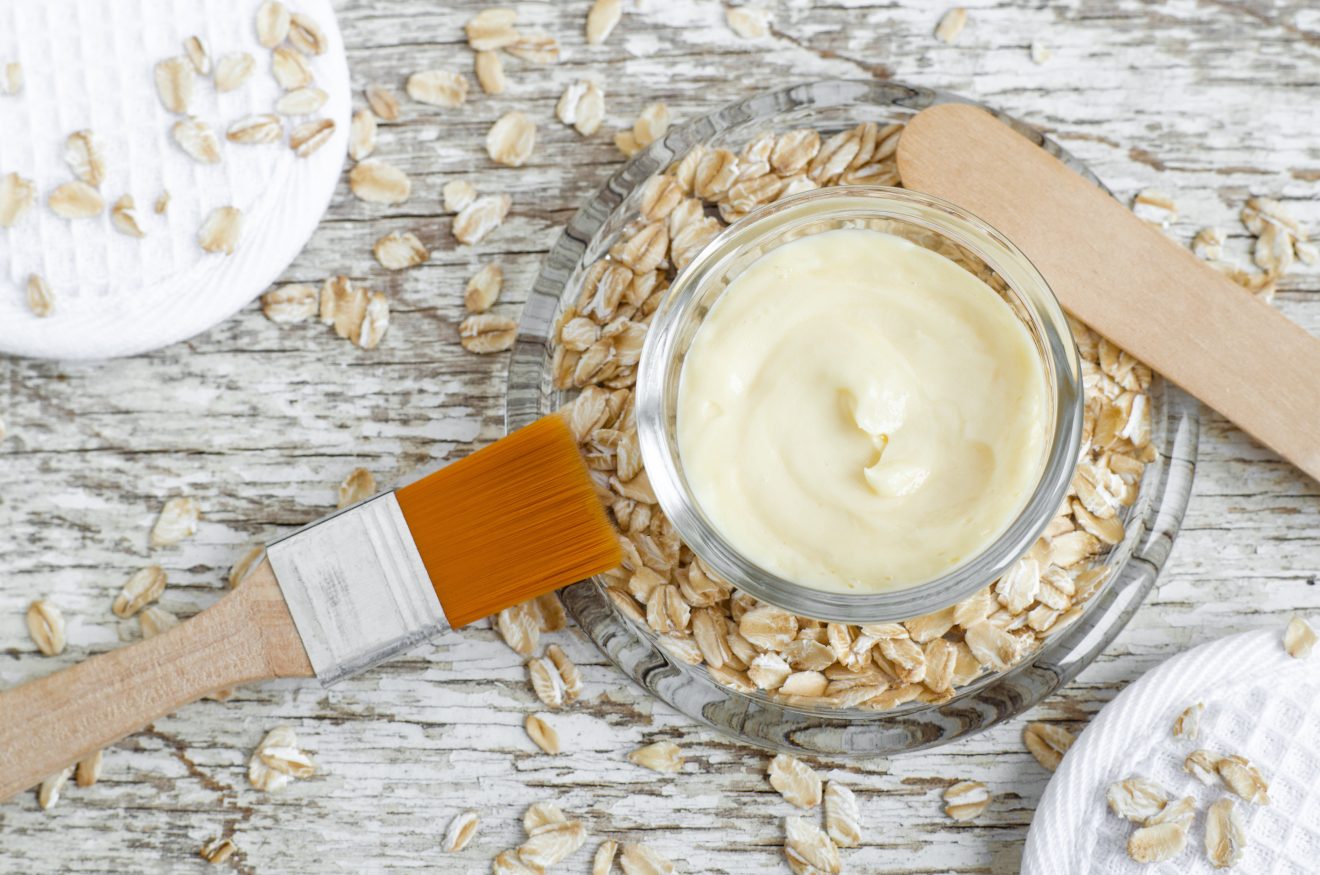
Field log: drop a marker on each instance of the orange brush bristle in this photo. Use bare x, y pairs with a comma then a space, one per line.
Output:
510, 522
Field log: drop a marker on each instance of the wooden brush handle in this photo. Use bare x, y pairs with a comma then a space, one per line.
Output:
51, 723
1125, 278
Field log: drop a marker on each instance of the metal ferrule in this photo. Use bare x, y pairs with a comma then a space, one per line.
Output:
357, 588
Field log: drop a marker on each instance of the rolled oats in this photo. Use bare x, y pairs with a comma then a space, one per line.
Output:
1136, 799
458, 194
438, 88
486, 333
296, 302
1182, 812
40, 298
1188, 723
511, 139
397, 251
602, 862
1048, 742
602, 18
507, 863
662, 756
17, 195
843, 820
382, 102
196, 138
951, 24
141, 589
88, 770
966, 800
490, 72
195, 49
1244, 779
256, 130
483, 289
461, 831
174, 84
154, 621
542, 733
377, 182
1155, 207
1299, 638
478, 219
491, 29
301, 101
1158, 843
1225, 834
1202, 765
311, 135
552, 843
539, 48
582, 105
520, 628
177, 520
48, 794
75, 200
273, 22
221, 230
638, 859
82, 152
651, 124
748, 22
290, 68
45, 624
359, 484
306, 35
808, 845
124, 218
797, 782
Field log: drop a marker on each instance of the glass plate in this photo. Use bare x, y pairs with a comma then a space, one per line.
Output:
1152, 522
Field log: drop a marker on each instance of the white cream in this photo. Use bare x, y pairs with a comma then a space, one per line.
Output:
859, 414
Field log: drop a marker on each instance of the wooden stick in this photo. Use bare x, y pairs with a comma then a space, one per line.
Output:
51, 723
1125, 278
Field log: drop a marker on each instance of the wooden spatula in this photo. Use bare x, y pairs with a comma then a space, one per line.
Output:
1125, 278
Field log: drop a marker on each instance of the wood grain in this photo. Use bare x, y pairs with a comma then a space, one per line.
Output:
1212, 101
1125, 278
57, 720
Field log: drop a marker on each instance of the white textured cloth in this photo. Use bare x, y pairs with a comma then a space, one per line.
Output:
88, 64
1259, 703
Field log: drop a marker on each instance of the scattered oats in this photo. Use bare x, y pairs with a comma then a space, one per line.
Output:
1155, 207
626, 143
461, 830
45, 625
542, 733
195, 49
196, 138
602, 19
397, 251
1136, 799
748, 22
520, 628
1225, 834
277, 760
142, 588
991, 645
162, 203
638, 859
491, 29
309, 136
1209, 244
221, 230
217, 850
40, 298
301, 101
951, 25
153, 621
1188, 723
376, 182
511, 139
1040, 53
255, 130
76, 200
843, 819
88, 770
11, 78
82, 152
546, 682
1155, 844
123, 216
49, 792
795, 781
490, 72
768, 627
1047, 742
1273, 251
306, 35
807, 844
966, 800
582, 105
458, 193
233, 70
553, 619
1202, 765
479, 218
1244, 779
273, 22
16, 197
568, 672
1299, 638
438, 88
247, 562
174, 84
651, 124
1182, 812
296, 302
602, 863
553, 843
484, 288
663, 756
507, 863
383, 103
290, 68
540, 814
538, 48
486, 333
358, 485
1261, 212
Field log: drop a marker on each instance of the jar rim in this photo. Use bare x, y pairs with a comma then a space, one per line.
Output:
660, 369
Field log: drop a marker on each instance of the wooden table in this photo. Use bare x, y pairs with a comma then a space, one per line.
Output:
1212, 101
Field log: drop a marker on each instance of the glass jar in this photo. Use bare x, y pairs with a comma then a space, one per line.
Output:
928, 222
1151, 522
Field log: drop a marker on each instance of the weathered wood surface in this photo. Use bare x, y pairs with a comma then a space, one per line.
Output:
1212, 101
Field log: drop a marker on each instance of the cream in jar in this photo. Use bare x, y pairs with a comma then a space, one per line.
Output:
858, 414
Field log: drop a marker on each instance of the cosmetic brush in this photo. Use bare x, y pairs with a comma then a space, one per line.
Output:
510, 522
